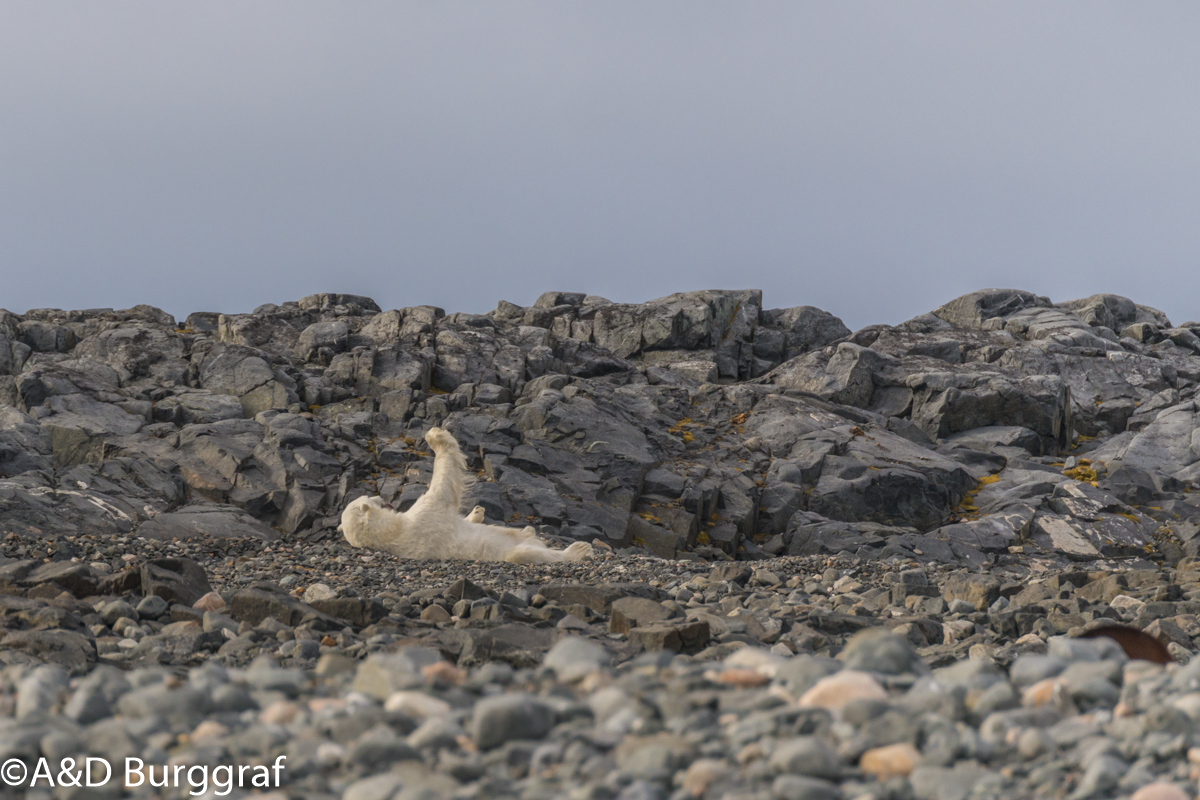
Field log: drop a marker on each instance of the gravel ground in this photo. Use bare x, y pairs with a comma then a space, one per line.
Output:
626, 677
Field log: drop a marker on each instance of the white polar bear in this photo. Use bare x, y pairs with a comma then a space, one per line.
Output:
433, 529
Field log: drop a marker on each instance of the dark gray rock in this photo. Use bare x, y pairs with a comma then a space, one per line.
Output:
632, 612
976, 309
24, 444
72, 651
175, 580
878, 650
810, 756
215, 521
497, 720
82, 429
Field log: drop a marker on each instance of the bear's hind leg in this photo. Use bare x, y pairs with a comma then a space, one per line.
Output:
540, 554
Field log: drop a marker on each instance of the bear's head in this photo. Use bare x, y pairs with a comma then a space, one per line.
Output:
360, 516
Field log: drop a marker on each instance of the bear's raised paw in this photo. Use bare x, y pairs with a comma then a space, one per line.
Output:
440, 439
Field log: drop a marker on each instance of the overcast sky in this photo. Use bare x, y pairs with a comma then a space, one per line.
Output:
872, 158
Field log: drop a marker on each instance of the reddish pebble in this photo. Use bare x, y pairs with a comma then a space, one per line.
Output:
834, 691
1042, 693
209, 729
443, 671
281, 712
210, 602
738, 677
1159, 791
893, 761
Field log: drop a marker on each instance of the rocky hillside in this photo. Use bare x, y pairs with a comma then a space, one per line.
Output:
699, 425
942, 516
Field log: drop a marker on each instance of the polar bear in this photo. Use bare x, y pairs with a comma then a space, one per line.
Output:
433, 529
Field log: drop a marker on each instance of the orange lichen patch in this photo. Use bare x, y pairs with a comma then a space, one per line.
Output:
966, 507
1083, 471
678, 430
740, 419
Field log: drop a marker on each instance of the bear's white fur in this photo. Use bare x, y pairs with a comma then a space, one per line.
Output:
433, 529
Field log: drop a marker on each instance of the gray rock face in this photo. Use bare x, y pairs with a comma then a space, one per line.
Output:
24, 444
978, 309
697, 425
218, 522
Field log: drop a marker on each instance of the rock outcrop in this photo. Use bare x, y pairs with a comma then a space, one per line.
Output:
699, 425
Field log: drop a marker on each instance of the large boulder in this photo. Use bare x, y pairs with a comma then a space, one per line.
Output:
197, 408
24, 444
81, 428
138, 350
248, 374
234, 369
848, 376
341, 305
42, 379
176, 580
721, 321
216, 521
802, 329
268, 332
331, 336
977, 309
946, 403
1114, 312
1169, 445
72, 651
877, 476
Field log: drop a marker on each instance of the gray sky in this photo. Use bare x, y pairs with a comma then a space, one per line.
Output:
872, 158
